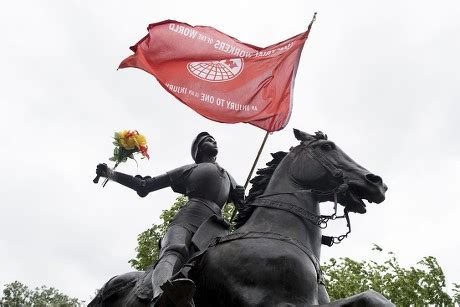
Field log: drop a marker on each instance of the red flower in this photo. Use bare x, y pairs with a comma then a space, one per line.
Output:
143, 150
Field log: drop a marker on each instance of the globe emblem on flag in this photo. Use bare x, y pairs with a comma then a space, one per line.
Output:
216, 71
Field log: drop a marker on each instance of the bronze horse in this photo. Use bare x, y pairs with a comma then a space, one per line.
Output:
273, 257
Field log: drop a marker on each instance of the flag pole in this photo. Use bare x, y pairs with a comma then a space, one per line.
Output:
252, 170
255, 161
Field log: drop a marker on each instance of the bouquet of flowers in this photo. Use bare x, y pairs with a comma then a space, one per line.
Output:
127, 144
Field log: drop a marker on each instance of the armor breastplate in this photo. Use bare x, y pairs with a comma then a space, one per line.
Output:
209, 181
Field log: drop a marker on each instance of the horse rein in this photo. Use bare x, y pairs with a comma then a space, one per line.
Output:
322, 220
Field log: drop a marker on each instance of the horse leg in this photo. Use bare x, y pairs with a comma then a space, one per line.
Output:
369, 298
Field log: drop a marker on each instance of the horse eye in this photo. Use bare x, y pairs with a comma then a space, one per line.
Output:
326, 146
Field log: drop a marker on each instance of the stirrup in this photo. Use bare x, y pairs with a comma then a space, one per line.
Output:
176, 293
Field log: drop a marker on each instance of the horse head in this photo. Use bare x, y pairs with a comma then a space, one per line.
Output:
319, 164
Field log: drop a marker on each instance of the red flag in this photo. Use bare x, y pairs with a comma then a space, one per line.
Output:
220, 77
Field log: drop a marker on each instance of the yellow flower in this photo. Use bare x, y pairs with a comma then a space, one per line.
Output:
124, 140
131, 139
140, 140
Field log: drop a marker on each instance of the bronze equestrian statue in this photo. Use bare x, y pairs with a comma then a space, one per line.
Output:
273, 256
208, 187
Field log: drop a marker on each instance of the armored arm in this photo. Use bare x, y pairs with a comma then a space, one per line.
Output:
142, 185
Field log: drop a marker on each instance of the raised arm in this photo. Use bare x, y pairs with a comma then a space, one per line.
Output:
142, 185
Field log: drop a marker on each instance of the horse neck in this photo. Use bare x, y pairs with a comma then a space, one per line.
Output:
283, 189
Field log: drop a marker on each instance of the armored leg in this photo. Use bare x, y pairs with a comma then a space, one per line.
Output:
174, 253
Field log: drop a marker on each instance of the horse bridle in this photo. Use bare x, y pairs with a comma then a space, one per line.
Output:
322, 220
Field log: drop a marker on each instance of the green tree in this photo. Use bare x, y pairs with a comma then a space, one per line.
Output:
147, 241
16, 294
418, 285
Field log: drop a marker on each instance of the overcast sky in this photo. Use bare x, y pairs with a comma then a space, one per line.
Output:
381, 78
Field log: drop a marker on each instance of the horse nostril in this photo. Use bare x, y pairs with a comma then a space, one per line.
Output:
374, 178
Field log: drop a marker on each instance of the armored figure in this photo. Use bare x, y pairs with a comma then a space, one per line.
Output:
208, 187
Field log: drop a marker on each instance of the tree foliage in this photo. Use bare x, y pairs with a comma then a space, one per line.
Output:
17, 294
418, 285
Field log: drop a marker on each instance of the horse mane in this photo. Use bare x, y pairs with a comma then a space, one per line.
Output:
319, 135
259, 183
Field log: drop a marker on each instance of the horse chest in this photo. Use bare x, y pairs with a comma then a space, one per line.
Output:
262, 272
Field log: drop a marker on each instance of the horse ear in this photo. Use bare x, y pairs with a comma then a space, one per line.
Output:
302, 136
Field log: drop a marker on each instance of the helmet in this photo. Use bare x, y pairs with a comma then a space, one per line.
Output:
196, 143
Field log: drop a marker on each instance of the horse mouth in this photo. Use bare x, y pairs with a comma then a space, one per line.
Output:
357, 193
354, 203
